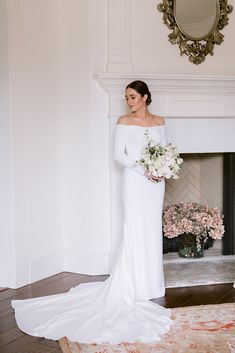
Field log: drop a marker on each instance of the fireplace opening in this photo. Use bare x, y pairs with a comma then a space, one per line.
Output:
208, 179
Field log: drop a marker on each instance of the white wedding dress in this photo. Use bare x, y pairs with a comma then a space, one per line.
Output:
118, 309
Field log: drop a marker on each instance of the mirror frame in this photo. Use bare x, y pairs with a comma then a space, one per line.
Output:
195, 49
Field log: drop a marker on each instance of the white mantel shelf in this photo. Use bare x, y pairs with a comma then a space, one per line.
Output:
116, 82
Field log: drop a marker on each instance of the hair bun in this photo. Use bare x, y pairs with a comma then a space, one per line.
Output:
141, 88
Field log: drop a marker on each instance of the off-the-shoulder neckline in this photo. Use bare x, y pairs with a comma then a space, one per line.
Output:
145, 127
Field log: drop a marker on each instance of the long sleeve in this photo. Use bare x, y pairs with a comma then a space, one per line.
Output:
163, 136
120, 152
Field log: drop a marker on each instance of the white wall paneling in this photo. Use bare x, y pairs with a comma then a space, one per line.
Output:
7, 258
84, 134
119, 36
32, 143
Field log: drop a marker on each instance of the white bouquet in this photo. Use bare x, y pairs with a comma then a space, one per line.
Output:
161, 161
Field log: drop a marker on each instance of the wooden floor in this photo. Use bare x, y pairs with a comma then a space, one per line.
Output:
12, 340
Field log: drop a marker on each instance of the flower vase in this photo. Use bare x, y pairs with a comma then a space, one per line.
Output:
191, 246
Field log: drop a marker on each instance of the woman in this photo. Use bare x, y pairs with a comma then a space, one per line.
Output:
117, 310
143, 201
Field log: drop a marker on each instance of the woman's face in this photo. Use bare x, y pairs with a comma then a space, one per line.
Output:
134, 100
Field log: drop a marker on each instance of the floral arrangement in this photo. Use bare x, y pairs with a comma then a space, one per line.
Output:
193, 218
160, 161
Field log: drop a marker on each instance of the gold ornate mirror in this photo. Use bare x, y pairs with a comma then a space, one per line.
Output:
195, 25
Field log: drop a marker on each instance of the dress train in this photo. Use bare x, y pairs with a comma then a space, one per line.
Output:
118, 309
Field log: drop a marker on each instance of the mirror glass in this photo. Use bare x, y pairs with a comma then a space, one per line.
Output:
196, 18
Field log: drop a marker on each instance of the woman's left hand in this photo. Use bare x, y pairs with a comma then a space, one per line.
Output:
155, 179
152, 178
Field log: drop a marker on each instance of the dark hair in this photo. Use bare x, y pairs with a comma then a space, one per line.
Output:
141, 88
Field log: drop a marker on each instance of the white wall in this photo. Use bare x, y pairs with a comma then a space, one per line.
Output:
54, 126
33, 125
7, 266
152, 53
85, 133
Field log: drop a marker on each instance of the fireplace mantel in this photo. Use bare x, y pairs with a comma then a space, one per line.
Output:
115, 82
199, 110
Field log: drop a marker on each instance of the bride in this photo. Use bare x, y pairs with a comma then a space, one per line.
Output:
118, 309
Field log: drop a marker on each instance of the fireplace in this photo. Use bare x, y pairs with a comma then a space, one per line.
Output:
200, 120
208, 179
201, 181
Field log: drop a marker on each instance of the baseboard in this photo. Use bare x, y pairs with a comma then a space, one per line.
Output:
45, 266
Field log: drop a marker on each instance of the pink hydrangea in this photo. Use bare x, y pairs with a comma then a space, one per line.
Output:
193, 218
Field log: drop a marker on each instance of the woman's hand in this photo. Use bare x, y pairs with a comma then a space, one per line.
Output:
152, 178
155, 179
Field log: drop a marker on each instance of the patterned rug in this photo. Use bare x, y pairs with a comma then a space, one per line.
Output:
197, 329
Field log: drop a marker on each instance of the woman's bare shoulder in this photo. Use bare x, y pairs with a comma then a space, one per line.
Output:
124, 120
159, 120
